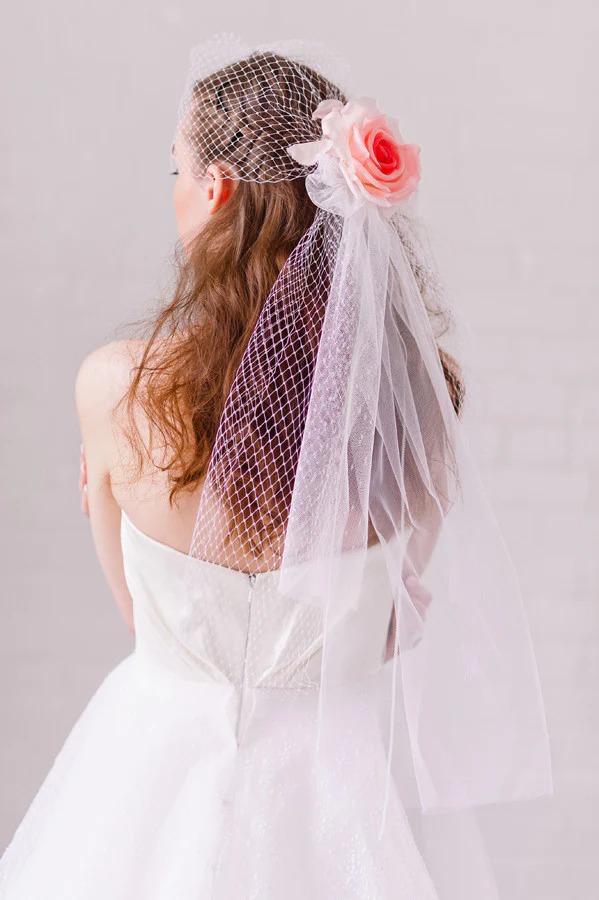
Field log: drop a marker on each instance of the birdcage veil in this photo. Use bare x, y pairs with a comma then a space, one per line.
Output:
339, 453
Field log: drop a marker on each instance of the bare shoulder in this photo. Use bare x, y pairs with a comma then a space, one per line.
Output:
102, 382
104, 376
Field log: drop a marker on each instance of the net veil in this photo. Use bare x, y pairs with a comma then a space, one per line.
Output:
346, 571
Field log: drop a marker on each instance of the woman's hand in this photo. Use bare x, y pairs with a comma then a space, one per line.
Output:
83, 483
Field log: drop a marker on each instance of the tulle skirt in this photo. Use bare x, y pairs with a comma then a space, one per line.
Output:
153, 796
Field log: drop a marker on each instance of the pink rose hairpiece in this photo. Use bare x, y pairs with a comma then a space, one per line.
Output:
368, 149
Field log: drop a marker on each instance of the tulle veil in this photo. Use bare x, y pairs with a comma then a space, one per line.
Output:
339, 432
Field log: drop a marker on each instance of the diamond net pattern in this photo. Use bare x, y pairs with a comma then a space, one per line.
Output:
244, 107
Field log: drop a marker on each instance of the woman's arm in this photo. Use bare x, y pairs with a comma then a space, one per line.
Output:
99, 381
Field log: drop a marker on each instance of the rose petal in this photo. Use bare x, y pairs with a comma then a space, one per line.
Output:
325, 107
357, 146
392, 126
385, 152
309, 153
361, 109
335, 128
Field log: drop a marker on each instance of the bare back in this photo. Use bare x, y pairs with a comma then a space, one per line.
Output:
142, 492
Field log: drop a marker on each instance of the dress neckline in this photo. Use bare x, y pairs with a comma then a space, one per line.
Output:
167, 548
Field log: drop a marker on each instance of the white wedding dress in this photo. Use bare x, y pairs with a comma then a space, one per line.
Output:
159, 794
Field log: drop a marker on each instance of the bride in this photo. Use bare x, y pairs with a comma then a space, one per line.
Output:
284, 508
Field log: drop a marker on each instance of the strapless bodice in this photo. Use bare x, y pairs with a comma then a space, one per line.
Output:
241, 631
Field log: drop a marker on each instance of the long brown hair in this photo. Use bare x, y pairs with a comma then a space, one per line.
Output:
196, 341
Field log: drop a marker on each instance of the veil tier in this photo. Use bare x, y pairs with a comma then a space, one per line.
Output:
340, 433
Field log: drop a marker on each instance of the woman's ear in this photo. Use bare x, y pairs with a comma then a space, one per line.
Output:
219, 188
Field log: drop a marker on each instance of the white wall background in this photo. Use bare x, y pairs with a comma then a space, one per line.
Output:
502, 98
